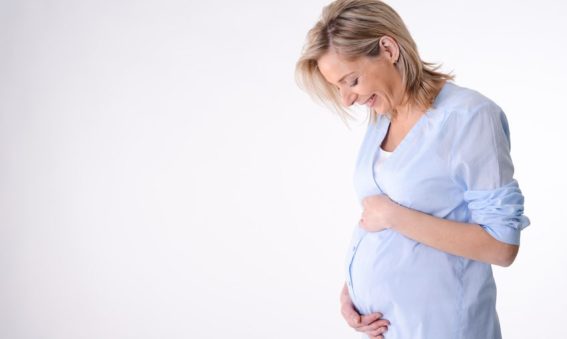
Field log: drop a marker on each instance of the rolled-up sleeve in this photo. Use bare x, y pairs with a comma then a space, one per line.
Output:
482, 166
499, 211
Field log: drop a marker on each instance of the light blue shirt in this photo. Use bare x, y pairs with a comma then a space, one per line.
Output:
454, 164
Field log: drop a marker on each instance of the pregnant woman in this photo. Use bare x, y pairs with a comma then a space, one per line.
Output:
434, 177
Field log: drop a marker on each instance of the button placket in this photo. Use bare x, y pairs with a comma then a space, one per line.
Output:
360, 236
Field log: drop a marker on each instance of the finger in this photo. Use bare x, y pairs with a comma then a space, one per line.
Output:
370, 318
376, 337
374, 326
376, 332
378, 323
365, 321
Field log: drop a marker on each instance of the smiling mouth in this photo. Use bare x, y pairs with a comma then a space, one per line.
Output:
370, 100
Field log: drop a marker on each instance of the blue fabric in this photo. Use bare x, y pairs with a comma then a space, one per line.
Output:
455, 164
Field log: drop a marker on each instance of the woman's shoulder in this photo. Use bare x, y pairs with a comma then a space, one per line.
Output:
458, 103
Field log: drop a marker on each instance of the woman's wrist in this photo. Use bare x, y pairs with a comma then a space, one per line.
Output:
397, 214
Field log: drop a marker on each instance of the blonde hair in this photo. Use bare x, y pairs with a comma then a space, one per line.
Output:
353, 29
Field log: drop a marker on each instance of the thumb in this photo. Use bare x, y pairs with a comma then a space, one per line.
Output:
355, 318
351, 314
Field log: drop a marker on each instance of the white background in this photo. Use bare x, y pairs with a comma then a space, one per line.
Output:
162, 176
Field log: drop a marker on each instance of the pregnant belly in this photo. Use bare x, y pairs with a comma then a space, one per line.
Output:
416, 287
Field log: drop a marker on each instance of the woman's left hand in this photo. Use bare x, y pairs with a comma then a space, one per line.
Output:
378, 213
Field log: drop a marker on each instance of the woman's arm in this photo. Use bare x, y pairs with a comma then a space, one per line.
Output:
458, 238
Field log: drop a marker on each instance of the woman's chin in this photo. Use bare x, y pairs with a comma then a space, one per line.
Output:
379, 111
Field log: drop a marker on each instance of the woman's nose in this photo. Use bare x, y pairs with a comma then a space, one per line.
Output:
348, 98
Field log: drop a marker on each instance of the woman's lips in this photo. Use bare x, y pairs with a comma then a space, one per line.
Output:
370, 101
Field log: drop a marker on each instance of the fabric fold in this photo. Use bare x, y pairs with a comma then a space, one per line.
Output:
499, 211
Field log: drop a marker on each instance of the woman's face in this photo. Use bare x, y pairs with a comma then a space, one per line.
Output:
371, 81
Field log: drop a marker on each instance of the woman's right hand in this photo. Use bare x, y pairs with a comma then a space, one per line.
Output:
372, 324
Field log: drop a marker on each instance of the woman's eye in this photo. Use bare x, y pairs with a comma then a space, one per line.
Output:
354, 83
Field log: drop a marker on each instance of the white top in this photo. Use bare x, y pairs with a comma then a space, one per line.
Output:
382, 156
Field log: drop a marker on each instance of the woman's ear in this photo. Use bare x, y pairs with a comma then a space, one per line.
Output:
390, 48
